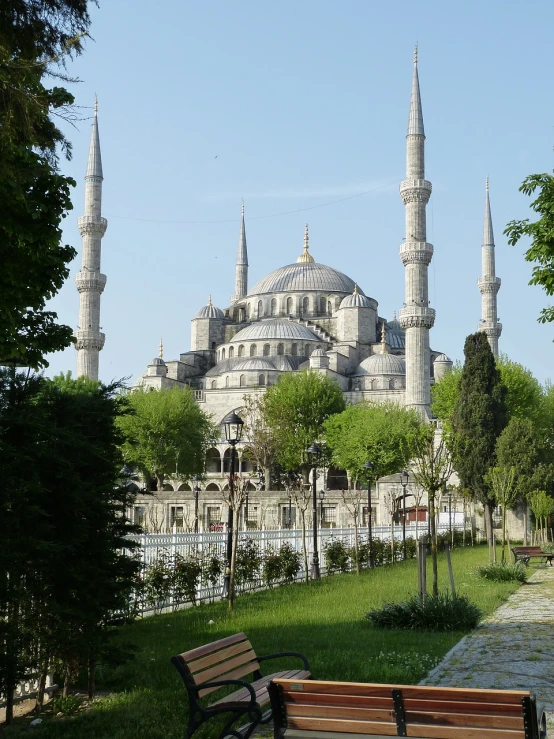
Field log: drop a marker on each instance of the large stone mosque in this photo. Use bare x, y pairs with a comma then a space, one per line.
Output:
303, 315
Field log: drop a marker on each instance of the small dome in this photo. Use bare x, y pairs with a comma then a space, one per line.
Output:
443, 358
210, 311
382, 364
157, 361
253, 364
278, 329
318, 353
356, 300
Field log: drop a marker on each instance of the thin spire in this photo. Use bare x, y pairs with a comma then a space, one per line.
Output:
161, 349
306, 257
210, 299
488, 236
383, 338
94, 166
242, 253
415, 118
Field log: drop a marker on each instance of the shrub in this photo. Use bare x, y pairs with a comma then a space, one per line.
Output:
502, 572
290, 562
548, 548
68, 705
440, 613
336, 556
186, 576
272, 567
157, 583
212, 569
248, 562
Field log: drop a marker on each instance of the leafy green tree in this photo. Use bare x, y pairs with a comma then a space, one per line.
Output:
261, 445
295, 410
35, 39
165, 433
542, 506
523, 390
541, 233
501, 481
479, 417
444, 395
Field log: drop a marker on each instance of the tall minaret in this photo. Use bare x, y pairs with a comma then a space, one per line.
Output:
241, 268
489, 283
90, 281
416, 318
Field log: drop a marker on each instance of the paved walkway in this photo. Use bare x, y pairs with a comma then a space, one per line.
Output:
512, 649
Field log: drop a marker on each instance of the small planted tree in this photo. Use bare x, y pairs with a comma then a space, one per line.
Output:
501, 481
541, 505
352, 499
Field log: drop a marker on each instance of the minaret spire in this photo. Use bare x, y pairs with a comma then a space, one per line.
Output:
489, 283
416, 318
241, 267
89, 340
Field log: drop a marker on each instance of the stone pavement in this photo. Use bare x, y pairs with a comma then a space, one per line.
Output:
511, 649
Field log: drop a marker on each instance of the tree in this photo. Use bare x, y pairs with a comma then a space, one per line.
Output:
523, 390
479, 417
501, 481
295, 410
542, 506
541, 233
444, 395
166, 433
431, 467
35, 39
260, 446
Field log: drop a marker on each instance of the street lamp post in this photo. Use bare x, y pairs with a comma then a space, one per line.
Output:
246, 507
368, 466
233, 432
196, 489
313, 453
321, 499
404, 477
449, 494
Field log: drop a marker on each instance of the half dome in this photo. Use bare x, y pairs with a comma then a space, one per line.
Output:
356, 300
278, 329
304, 277
443, 358
254, 364
382, 364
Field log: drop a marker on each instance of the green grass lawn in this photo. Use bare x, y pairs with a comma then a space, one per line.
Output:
324, 620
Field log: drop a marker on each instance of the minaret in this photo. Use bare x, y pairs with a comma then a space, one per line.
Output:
241, 268
90, 281
489, 283
416, 318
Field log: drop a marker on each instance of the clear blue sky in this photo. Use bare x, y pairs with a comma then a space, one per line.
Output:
294, 105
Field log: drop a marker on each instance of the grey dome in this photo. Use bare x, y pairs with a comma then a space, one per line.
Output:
210, 311
277, 329
356, 300
253, 364
157, 361
304, 277
443, 358
318, 353
382, 364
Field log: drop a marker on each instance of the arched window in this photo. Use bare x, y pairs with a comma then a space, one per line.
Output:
290, 306
242, 381
267, 350
227, 381
241, 350
273, 307
248, 308
213, 346
280, 348
223, 354
261, 380
337, 303
329, 307
231, 352
322, 305
392, 384
294, 350
307, 350
260, 309
214, 384
305, 305
253, 350
318, 346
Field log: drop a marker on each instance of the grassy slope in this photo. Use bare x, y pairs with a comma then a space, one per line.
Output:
324, 620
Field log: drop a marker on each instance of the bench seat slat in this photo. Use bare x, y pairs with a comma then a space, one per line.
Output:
219, 656
237, 674
260, 688
221, 670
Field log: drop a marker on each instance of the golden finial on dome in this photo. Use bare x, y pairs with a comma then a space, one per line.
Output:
383, 338
161, 350
210, 300
306, 257
355, 288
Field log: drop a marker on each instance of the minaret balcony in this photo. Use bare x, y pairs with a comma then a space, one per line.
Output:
89, 281
415, 191
489, 284
416, 316
491, 329
416, 252
89, 339
92, 226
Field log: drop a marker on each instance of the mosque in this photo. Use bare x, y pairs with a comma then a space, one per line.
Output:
302, 315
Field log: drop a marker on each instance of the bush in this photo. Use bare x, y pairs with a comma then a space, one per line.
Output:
548, 548
502, 572
248, 563
67, 705
440, 613
186, 576
336, 556
290, 562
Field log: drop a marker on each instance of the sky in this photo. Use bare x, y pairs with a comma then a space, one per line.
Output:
300, 107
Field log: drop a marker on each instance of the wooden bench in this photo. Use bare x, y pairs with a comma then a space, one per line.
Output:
524, 554
332, 710
228, 662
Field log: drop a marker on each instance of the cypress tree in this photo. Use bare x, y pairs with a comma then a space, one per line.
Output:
479, 417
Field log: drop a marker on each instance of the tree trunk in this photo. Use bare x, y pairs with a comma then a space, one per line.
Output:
267, 478
233, 562
433, 523
416, 524
42, 684
503, 552
356, 548
66, 681
304, 550
91, 676
487, 510
525, 523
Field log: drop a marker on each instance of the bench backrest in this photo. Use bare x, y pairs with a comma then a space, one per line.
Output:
401, 710
226, 659
527, 550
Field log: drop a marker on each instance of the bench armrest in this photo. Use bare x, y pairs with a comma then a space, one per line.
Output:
222, 683
286, 654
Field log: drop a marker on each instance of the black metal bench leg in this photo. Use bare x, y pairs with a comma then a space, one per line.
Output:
253, 718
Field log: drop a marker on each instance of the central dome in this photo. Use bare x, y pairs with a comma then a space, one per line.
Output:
304, 277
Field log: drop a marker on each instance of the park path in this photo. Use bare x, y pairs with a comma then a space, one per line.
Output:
512, 649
